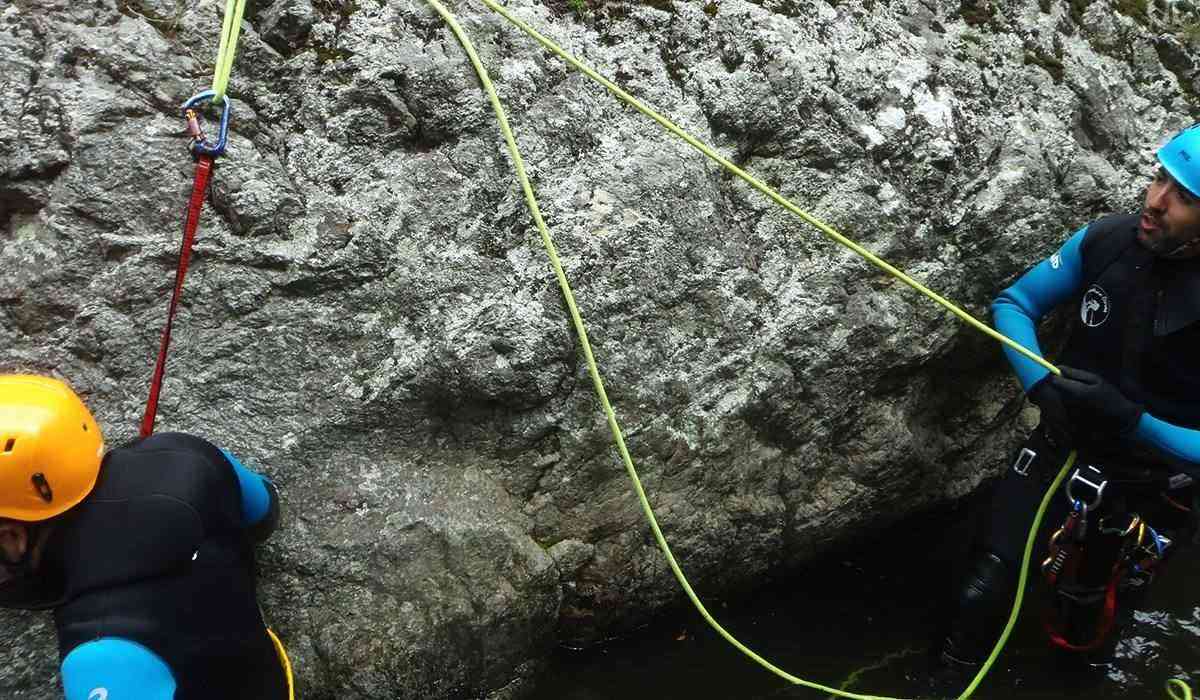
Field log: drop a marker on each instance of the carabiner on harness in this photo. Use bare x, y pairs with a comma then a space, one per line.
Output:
201, 146
1144, 556
1065, 543
1089, 479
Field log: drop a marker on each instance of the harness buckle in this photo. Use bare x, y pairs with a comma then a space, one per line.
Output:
1088, 479
200, 145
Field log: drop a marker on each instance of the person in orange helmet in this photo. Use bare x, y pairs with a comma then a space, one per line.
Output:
144, 553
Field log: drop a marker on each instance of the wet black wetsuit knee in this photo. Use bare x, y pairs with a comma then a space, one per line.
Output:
985, 595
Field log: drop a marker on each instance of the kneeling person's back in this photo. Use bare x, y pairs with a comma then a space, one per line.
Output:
150, 572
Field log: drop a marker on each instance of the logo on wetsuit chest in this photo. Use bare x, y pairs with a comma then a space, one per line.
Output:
98, 694
1094, 308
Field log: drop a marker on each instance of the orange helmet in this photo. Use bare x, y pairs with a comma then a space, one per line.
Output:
50, 448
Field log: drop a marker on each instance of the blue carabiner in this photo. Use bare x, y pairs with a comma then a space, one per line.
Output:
201, 146
1158, 544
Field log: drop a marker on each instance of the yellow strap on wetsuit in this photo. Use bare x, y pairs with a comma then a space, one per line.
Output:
283, 661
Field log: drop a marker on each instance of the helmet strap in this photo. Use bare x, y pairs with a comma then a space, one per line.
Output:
23, 566
1183, 247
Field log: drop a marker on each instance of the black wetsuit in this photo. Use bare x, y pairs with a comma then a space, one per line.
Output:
159, 556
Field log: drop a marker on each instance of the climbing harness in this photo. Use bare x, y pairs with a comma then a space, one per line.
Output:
1121, 548
597, 382
1062, 570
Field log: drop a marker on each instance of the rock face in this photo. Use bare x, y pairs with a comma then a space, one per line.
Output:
370, 320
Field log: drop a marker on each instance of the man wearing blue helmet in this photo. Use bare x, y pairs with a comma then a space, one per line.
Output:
1128, 400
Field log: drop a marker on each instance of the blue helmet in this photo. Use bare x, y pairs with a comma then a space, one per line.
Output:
1181, 157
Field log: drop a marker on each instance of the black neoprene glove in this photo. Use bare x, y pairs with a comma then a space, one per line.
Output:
1091, 399
260, 531
1056, 422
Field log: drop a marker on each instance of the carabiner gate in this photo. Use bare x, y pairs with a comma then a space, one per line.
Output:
1097, 488
201, 146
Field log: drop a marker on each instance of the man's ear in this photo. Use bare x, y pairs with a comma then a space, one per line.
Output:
14, 540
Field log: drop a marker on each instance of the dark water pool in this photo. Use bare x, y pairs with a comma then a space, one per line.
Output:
865, 617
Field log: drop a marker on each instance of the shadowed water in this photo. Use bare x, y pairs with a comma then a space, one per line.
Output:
865, 617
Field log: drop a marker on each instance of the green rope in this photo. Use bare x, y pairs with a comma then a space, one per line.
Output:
884, 661
765, 189
230, 28
1178, 689
598, 383
1024, 577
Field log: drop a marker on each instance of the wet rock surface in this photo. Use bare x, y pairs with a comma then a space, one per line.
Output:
370, 320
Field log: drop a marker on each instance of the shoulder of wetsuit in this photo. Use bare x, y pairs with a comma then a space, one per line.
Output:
1105, 240
208, 472
153, 506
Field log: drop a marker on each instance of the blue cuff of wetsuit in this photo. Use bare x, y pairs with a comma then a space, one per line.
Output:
1018, 309
1182, 443
1018, 326
256, 497
116, 669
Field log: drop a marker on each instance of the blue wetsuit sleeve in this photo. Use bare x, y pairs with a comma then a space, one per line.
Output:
256, 498
111, 668
1018, 309
1182, 443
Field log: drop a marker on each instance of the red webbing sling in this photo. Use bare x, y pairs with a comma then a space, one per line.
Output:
204, 166
205, 152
